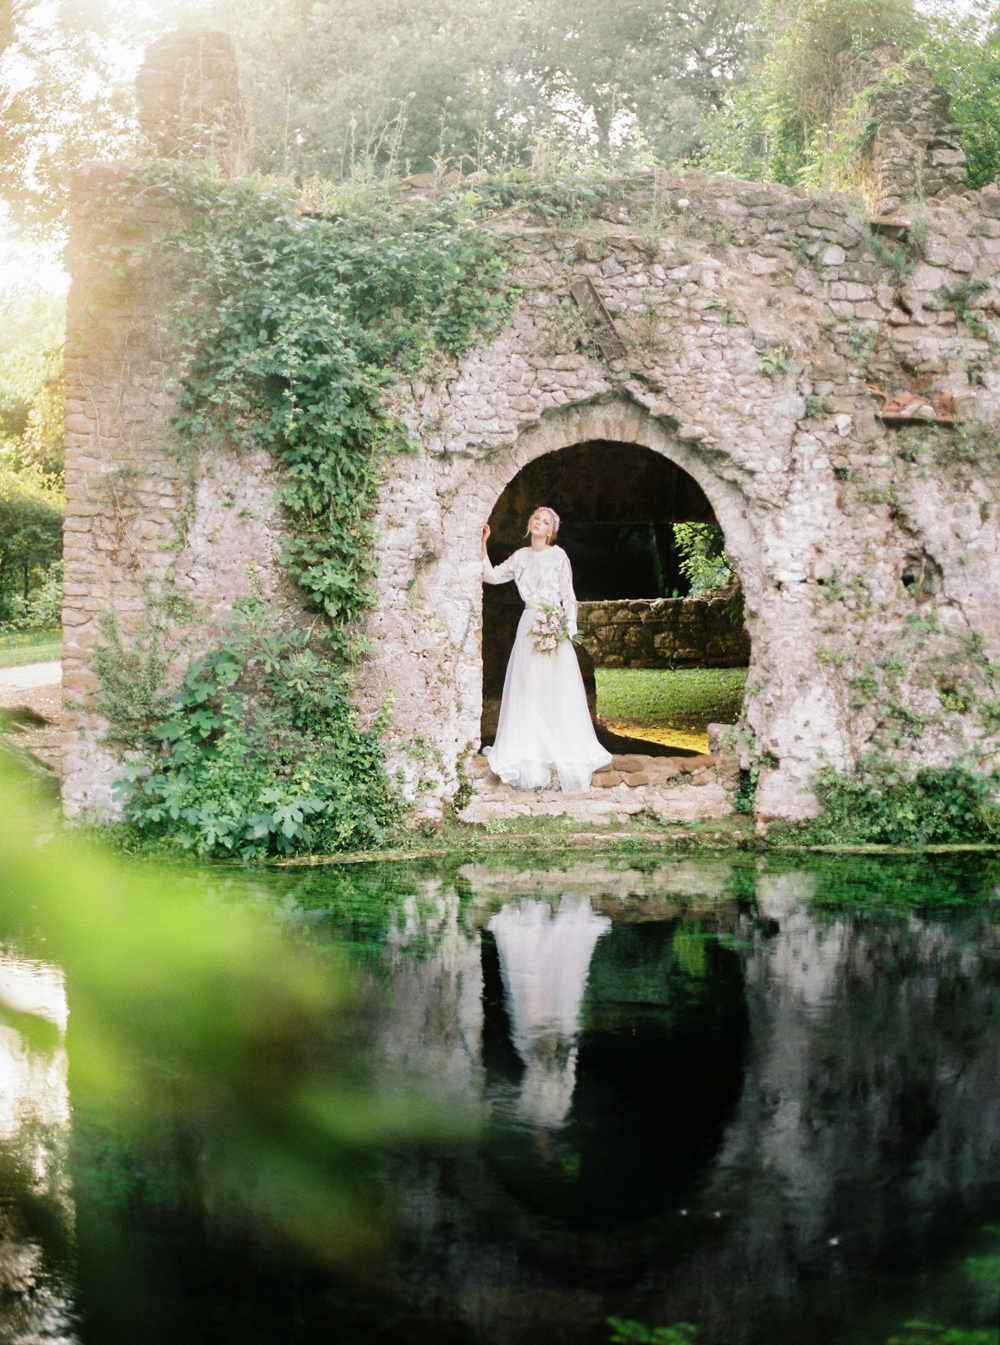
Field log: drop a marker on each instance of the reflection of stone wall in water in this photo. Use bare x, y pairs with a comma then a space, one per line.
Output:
432, 1030
752, 317
869, 1115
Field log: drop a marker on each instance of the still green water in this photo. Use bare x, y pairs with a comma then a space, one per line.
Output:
759, 1097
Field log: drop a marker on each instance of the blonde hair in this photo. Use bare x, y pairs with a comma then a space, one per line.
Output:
545, 509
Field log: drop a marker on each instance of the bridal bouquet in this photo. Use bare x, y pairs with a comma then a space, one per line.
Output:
550, 628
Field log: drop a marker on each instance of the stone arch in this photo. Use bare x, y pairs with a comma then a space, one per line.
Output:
612, 422
624, 422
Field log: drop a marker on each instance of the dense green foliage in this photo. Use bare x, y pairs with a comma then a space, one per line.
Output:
290, 329
293, 327
348, 87
962, 49
704, 562
351, 90
762, 89
31, 522
802, 115
32, 412
32, 392
784, 125
259, 748
883, 802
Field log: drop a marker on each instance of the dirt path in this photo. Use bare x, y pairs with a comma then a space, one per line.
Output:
30, 707
30, 675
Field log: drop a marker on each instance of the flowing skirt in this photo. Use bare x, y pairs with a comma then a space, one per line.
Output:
544, 721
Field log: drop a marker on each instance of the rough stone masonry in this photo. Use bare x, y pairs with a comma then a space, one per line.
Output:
753, 318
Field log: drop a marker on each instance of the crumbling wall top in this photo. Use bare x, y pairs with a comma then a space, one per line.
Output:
189, 98
917, 153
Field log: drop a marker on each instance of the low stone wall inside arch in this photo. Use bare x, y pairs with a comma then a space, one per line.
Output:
663, 633
752, 318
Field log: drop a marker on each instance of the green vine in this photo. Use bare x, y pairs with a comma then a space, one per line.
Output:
289, 330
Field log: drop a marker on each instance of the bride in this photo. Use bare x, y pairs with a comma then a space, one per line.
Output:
544, 720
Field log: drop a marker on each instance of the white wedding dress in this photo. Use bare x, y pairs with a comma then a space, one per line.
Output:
544, 963
544, 721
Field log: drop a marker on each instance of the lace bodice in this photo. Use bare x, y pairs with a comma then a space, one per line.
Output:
540, 576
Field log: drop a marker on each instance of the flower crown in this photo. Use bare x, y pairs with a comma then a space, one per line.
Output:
547, 509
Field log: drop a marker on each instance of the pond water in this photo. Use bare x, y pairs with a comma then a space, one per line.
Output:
762, 1098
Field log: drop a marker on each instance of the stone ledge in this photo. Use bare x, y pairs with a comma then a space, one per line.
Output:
682, 789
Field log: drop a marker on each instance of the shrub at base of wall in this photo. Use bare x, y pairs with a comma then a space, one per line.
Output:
256, 752
884, 802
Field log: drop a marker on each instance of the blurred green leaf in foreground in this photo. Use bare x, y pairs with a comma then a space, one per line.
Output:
196, 1019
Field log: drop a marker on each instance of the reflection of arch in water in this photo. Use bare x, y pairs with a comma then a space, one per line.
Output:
598, 481
657, 1071
544, 961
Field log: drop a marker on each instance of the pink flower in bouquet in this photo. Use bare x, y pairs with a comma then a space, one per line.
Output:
549, 629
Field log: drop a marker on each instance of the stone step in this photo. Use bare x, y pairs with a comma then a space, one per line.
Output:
691, 788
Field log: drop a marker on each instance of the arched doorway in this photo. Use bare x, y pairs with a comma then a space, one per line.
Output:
617, 502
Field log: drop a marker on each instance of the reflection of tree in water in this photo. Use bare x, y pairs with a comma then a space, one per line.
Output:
36, 1214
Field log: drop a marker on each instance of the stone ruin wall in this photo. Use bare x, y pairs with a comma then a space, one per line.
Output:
752, 318
662, 633
916, 152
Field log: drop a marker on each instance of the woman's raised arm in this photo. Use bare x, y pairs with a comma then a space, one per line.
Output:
496, 574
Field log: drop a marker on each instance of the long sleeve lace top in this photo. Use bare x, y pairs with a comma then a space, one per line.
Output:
540, 576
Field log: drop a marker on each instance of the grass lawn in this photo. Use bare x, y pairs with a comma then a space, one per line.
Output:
29, 646
685, 699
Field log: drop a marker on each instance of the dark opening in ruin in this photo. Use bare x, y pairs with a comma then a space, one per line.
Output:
921, 577
617, 503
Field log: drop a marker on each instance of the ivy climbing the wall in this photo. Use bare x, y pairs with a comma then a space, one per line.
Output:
258, 750
289, 329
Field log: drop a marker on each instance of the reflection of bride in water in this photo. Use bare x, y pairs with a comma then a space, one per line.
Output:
544, 961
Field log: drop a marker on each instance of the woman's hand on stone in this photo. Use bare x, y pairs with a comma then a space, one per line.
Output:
486, 533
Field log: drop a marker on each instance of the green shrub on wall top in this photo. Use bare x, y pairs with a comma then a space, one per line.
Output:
289, 329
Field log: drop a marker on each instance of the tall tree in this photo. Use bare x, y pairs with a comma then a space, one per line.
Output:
59, 105
338, 85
